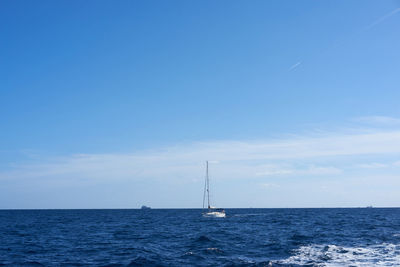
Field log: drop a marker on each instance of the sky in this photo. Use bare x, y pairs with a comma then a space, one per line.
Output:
118, 104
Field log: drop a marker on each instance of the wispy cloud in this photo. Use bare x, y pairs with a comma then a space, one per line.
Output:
378, 165
173, 176
276, 172
374, 165
311, 170
383, 18
270, 185
381, 120
237, 159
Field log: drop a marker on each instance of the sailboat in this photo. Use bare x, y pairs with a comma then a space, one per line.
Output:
211, 211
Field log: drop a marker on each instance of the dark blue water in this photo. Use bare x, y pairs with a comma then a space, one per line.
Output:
246, 237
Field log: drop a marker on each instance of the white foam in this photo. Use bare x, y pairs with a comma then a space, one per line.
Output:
331, 255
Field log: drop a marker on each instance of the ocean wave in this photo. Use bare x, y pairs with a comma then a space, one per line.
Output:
331, 255
203, 238
143, 261
214, 251
249, 214
279, 237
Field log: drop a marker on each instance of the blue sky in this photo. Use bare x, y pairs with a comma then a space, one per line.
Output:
115, 104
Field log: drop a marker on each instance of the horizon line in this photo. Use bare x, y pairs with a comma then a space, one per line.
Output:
350, 207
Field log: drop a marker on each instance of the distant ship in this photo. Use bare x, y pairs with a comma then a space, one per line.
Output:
212, 211
145, 207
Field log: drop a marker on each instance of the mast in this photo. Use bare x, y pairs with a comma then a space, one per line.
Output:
208, 185
204, 192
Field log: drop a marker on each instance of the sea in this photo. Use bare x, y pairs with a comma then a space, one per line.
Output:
183, 237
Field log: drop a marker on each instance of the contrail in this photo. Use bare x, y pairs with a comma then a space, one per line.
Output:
295, 65
397, 10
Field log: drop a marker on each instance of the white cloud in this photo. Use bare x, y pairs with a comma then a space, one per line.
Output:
322, 171
374, 165
397, 163
379, 120
322, 164
237, 159
313, 170
270, 185
276, 172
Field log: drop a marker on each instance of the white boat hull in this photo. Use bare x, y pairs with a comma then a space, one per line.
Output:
214, 214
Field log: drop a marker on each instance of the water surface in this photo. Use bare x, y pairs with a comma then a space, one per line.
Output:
246, 237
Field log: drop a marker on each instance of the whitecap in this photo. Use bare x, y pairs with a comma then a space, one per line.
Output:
331, 255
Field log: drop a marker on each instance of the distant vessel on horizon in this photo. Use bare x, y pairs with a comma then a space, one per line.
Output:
212, 211
145, 207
